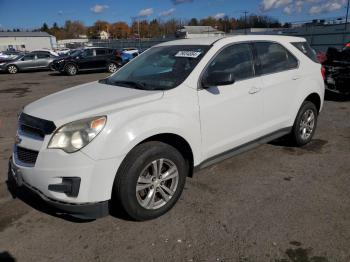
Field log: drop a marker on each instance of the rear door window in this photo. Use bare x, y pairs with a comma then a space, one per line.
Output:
274, 58
305, 48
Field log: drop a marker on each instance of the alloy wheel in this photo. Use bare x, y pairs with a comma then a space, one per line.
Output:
157, 184
112, 67
307, 124
72, 70
12, 69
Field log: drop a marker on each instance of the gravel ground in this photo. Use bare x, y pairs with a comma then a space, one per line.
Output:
274, 203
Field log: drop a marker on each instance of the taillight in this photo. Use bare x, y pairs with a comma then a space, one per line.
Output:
323, 72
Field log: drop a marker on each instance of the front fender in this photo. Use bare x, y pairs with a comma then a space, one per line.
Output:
120, 136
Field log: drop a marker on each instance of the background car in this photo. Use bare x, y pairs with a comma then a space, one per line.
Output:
63, 51
337, 70
128, 54
31, 61
46, 51
90, 58
10, 54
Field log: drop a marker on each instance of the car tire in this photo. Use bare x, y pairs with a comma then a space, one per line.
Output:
112, 67
149, 181
12, 69
71, 70
51, 67
305, 124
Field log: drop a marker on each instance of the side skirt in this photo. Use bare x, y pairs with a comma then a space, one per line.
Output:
243, 148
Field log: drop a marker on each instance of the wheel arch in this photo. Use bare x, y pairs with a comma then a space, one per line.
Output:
315, 99
177, 142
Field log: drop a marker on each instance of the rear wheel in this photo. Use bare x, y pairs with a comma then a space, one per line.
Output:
71, 70
150, 180
112, 67
12, 69
305, 124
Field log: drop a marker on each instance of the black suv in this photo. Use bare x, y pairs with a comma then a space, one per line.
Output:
90, 58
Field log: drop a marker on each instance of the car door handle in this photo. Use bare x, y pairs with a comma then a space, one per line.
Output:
296, 77
254, 90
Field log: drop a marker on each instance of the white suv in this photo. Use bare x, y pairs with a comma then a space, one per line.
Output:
130, 140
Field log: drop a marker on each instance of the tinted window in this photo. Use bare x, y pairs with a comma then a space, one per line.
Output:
28, 57
274, 58
42, 55
100, 51
236, 59
306, 50
89, 53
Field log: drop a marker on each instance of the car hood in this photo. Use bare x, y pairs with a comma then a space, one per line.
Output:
88, 100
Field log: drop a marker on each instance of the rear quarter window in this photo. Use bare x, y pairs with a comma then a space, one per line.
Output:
305, 48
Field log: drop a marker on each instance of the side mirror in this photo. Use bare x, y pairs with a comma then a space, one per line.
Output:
218, 79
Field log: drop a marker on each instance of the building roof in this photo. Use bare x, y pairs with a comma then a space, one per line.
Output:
24, 34
200, 30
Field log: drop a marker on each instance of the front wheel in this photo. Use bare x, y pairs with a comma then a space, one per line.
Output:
71, 70
305, 124
150, 180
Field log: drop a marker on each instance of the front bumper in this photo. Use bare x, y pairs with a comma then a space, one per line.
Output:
58, 66
53, 165
82, 211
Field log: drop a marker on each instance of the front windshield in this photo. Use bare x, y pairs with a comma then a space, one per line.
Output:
160, 68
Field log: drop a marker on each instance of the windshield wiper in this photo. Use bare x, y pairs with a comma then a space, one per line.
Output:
126, 83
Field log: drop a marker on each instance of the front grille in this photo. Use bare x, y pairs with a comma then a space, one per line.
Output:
35, 127
31, 131
26, 156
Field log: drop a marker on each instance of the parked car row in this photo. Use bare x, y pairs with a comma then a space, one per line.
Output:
69, 62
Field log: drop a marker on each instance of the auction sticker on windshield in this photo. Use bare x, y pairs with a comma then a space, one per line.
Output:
188, 54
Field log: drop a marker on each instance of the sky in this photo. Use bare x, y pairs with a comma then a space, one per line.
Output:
30, 14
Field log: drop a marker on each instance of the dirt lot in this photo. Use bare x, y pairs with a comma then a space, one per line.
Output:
275, 203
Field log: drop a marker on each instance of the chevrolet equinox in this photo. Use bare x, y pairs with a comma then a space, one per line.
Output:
130, 140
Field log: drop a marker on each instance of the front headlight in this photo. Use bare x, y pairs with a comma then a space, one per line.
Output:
74, 136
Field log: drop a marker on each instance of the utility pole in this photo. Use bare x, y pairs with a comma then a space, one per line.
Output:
346, 17
245, 22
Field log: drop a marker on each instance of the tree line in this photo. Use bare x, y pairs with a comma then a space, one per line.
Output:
155, 28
